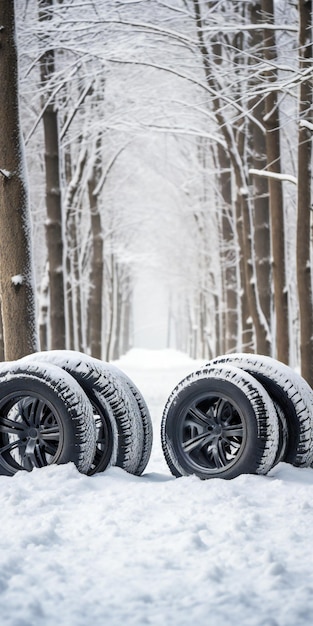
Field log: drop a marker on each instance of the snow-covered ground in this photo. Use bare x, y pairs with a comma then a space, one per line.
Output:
119, 550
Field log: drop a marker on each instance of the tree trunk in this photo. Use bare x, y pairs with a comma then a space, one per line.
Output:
261, 220
236, 158
54, 229
126, 329
44, 312
17, 289
247, 335
95, 296
304, 220
72, 210
1, 336
112, 308
261, 211
275, 191
228, 253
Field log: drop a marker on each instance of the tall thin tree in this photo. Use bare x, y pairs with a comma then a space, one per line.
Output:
304, 217
17, 283
273, 147
54, 228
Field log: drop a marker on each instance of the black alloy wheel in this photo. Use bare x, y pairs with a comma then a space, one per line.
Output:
31, 432
220, 422
213, 432
45, 418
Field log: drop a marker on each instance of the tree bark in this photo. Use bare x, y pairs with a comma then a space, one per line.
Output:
261, 220
54, 228
275, 191
17, 283
95, 296
72, 210
1, 335
228, 253
261, 210
304, 215
112, 308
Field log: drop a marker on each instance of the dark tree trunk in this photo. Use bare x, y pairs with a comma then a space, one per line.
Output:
54, 230
111, 310
247, 335
73, 278
17, 285
1, 336
304, 217
95, 296
275, 190
228, 253
261, 211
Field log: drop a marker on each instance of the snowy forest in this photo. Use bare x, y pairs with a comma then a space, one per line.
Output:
168, 144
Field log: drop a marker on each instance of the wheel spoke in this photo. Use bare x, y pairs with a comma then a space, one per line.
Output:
50, 448
221, 453
218, 455
50, 433
18, 443
233, 430
35, 412
224, 411
28, 457
40, 455
11, 426
200, 416
33, 455
198, 442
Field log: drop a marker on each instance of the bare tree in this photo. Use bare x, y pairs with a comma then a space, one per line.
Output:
257, 148
95, 297
235, 146
1, 337
273, 146
54, 229
17, 288
304, 219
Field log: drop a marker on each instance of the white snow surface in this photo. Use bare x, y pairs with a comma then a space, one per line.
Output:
119, 550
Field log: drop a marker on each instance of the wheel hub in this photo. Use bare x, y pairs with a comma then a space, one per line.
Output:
33, 433
217, 430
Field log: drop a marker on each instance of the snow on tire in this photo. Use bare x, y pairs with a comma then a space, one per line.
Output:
291, 392
219, 422
119, 430
45, 418
144, 416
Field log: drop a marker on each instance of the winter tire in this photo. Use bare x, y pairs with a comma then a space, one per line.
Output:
45, 418
291, 392
144, 416
219, 422
119, 429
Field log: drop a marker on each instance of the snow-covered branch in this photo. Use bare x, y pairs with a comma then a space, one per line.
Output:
284, 177
306, 124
